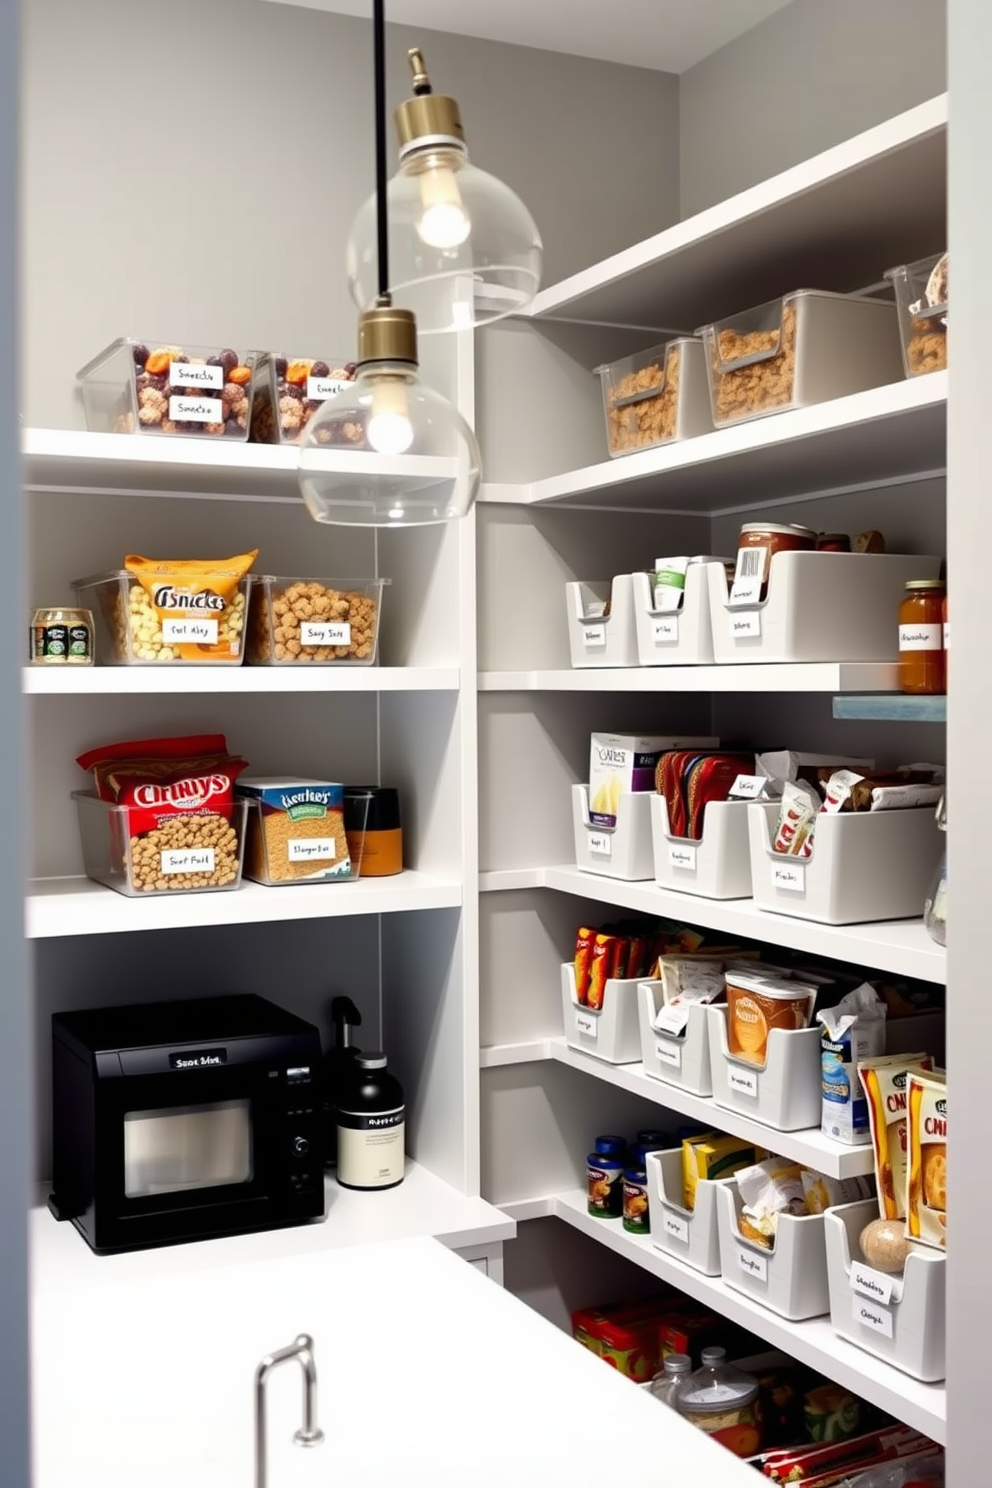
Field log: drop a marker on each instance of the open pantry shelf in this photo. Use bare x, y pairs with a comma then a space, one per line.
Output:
893, 709
77, 906
809, 676
811, 1147
814, 1342
41, 681
867, 439
853, 210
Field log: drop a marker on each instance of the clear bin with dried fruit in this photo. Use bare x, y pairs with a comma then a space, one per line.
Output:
288, 392
186, 853
921, 297
656, 396
806, 347
147, 387
325, 622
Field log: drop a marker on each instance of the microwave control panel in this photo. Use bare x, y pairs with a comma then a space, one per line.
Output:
301, 1137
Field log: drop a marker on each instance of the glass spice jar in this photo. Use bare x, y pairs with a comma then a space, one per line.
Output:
922, 664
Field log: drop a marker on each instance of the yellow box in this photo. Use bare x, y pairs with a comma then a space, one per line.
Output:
713, 1155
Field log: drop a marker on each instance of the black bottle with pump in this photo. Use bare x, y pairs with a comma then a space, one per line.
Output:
337, 1067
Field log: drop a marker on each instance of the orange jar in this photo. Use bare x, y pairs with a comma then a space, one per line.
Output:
757, 546
922, 662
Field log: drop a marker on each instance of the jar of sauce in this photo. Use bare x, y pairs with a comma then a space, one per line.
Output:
922, 660
756, 547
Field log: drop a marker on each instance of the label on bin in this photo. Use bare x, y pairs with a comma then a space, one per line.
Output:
746, 588
319, 388
665, 629
312, 849
325, 633
742, 1081
193, 410
187, 860
871, 1283
188, 631
748, 787
587, 1024
872, 1315
594, 635
677, 1228
195, 374
601, 843
752, 1265
789, 876
668, 1053
680, 856
746, 624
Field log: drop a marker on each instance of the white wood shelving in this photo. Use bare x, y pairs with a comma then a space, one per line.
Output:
810, 676
168, 681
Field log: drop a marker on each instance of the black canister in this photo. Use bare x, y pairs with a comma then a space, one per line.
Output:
371, 1122
376, 810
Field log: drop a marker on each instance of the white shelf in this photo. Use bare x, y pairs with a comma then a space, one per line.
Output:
100, 681
875, 200
423, 1204
811, 676
814, 1343
886, 433
498, 879
75, 462
532, 1051
77, 906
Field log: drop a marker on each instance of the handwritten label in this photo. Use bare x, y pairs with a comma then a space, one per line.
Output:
746, 591
947, 635
665, 630
312, 849
187, 860
594, 635
190, 632
195, 374
748, 787
319, 388
791, 876
682, 857
871, 1283
668, 1053
587, 1025
742, 1081
872, 1315
676, 1228
746, 624
325, 633
754, 1266
195, 410
920, 637
601, 843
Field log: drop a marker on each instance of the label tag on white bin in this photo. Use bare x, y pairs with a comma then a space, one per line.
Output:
668, 1053
871, 1283
587, 1025
593, 635
873, 1315
601, 843
752, 1265
676, 1228
790, 876
665, 630
742, 1081
748, 787
682, 855
747, 623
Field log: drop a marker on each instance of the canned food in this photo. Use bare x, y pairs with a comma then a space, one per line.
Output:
635, 1202
757, 546
60, 637
605, 1191
610, 1146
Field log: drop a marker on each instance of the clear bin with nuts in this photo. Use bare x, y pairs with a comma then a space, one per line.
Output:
185, 854
807, 347
656, 396
153, 613
322, 621
149, 387
288, 391
921, 298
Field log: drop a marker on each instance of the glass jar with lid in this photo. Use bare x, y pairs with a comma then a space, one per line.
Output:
664, 1384
757, 546
922, 661
723, 1402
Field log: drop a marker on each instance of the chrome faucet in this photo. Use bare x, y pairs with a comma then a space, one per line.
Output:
309, 1433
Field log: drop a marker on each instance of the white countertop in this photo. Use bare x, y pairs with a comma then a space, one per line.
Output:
429, 1374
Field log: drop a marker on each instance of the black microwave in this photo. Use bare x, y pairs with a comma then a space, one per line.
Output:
185, 1121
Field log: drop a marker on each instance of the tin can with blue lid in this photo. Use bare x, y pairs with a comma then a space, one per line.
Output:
605, 1185
610, 1146
636, 1218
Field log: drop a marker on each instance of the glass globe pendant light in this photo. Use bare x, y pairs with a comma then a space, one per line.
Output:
385, 450
465, 250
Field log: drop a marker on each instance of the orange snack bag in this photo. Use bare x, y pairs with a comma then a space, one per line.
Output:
196, 602
584, 943
604, 960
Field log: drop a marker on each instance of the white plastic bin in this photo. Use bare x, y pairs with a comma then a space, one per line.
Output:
897, 1318
623, 851
820, 607
688, 1235
786, 1094
683, 637
598, 640
790, 1279
610, 1033
717, 866
682, 1060
865, 866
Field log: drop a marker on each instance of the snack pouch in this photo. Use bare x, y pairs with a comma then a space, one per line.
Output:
885, 1083
191, 598
853, 1031
926, 1197
769, 1190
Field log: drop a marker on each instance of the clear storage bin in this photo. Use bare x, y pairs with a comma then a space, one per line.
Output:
287, 393
197, 853
691, 1235
610, 1032
280, 851
921, 299
601, 623
682, 637
128, 634
656, 396
791, 1278
623, 851
155, 387
320, 621
807, 347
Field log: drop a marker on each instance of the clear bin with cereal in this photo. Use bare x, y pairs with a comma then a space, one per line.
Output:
147, 387
656, 396
323, 621
807, 347
183, 853
287, 393
921, 299
154, 612
296, 831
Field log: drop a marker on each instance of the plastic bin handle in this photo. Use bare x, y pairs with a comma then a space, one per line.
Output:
745, 361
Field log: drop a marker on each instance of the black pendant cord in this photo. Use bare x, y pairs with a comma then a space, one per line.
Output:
382, 215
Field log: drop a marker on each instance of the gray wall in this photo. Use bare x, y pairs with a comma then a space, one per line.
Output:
810, 76
233, 229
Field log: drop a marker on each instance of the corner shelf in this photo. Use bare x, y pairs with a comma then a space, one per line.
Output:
896, 708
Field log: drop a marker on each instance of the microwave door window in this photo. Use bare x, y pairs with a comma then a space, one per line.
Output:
187, 1147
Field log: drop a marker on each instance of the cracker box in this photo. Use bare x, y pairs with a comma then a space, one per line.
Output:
926, 1197
295, 830
620, 764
